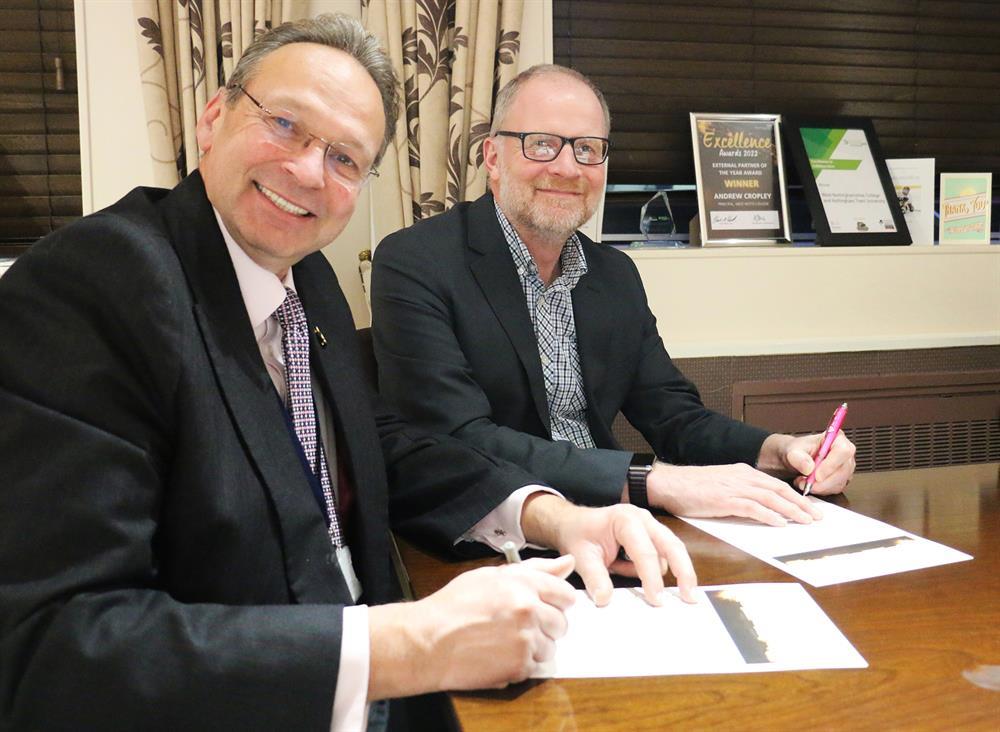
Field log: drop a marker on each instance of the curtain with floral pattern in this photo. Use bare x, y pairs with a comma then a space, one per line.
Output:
187, 50
453, 56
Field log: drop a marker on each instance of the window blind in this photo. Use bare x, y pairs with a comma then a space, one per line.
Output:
39, 124
927, 73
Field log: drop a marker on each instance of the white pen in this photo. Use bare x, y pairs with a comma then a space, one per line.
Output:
510, 552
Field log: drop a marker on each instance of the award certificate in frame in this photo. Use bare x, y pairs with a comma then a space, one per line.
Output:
741, 179
846, 182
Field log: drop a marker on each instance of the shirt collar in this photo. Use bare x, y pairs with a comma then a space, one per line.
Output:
262, 290
572, 262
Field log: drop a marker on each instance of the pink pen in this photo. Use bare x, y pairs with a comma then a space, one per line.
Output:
831, 434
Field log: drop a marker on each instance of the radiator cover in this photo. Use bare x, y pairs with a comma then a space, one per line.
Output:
896, 421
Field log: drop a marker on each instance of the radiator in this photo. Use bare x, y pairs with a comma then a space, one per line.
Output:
896, 421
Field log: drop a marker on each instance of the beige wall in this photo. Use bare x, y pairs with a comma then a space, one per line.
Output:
114, 148
741, 302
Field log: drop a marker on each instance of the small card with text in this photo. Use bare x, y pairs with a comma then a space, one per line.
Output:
913, 179
965, 208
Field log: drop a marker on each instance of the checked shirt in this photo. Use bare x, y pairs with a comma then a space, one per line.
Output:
551, 311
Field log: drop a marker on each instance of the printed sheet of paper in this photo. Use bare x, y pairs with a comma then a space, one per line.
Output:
741, 628
913, 179
842, 547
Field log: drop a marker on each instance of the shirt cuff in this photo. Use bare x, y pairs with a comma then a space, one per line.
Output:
350, 700
503, 523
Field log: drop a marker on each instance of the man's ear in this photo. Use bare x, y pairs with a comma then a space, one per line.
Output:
210, 117
490, 153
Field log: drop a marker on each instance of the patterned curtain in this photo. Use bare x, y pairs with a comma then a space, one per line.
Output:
453, 56
187, 50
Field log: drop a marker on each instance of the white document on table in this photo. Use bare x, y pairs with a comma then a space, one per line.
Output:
841, 547
740, 628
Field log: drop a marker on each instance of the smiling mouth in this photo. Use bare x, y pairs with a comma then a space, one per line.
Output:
282, 203
560, 191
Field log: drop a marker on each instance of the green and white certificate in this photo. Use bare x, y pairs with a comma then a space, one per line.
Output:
848, 181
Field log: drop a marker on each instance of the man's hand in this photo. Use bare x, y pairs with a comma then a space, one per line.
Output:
485, 629
789, 455
714, 491
594, 537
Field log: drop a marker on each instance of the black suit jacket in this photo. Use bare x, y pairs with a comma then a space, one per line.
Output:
163, 563
457, 353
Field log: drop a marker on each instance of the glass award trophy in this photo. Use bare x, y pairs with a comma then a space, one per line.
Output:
656, 220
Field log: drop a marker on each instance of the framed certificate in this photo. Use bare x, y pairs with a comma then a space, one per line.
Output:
846, 183
741, 180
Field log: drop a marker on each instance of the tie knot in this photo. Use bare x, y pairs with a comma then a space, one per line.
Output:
290, 313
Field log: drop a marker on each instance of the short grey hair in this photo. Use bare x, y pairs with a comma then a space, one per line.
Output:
335, 30
506, 96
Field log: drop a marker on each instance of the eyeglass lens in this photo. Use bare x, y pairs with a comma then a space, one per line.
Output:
543, 147
339, 159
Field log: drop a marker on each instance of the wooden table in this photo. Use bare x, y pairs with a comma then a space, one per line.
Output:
918, 631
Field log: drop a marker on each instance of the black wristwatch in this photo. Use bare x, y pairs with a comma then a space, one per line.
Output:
638, 470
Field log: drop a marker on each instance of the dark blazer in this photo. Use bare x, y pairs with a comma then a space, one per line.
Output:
457, 353
163, 562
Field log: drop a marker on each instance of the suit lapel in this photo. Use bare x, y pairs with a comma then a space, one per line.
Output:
493, 268
337, 365
249, 394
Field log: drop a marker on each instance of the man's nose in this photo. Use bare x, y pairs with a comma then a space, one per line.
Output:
308, 165
564, 163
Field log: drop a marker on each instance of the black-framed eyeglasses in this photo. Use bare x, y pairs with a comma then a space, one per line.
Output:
545, 146
340, 160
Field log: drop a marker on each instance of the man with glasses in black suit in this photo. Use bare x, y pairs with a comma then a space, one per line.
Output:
501, 324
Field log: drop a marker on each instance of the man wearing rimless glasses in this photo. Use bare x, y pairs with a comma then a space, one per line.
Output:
196, 480
499, 323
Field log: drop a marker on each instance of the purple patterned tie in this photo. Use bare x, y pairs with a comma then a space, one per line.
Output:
299, 399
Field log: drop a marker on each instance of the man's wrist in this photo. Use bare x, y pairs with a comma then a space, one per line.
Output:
771, 458
399, 652
542, 516
637, 479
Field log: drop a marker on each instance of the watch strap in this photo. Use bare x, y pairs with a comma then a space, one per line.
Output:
638, 472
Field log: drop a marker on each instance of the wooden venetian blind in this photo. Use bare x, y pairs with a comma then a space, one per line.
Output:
39, 124
927, 73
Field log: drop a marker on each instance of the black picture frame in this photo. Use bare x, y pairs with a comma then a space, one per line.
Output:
795, 146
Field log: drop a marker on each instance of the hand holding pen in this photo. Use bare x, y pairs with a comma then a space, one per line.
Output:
832, 430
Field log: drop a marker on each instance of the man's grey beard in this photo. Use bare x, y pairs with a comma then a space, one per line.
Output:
548, 221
